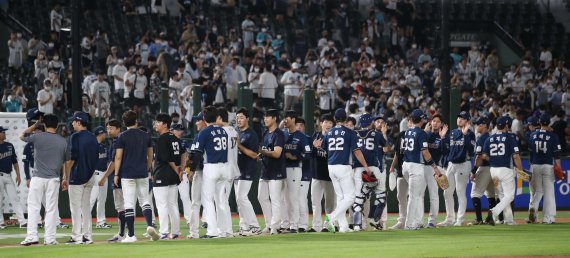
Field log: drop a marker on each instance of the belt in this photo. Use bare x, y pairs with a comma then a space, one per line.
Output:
4, 173
97, 172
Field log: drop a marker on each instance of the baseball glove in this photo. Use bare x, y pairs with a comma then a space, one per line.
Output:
558, 173
442, 181
368, 178
523, 174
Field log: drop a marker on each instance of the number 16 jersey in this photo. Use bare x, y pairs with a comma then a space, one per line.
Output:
415, 140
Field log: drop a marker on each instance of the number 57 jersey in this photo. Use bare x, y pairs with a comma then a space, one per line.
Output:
415, 140
500, 148
339, 143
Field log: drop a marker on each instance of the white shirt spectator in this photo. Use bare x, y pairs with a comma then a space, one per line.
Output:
16, 56
118, 73
326, 89
140, 86
144, 51
253, 79
87, 82
55, 20
546, 57
185, 78
129, 81
267, 84
46, 100
292, 81
100, 90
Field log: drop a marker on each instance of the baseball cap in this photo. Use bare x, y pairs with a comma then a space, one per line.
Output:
482, 121
532, 121
80, 116
3, 129
272, 113
47, 81
503, 120
177, 127
199, 116
295, 65
99, 130
33, 114
417, 114
465, 115
365, 120
509, 120
379, 117
340, 113
544, 118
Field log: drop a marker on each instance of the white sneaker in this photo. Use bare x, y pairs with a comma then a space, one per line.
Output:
29, 241
357, 228
51, 243
510, 223
458, 224
345, 230
152, 233
445, 223
266, 231
129, 239
398, 225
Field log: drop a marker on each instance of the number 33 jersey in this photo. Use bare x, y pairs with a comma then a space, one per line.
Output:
339, 143
415, 140
500, 148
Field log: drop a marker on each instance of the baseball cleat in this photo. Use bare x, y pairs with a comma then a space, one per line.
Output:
2, 226
475, 223
266, 231
51, 243
276, 232
163, 237
325, 230
398, 225
376, 225
531, 216
23, 225
61, 225
175, 236
129, 239
444, 224
430, 225
204, 225
103, 225
115, 239
206, 236
152, 233
458, 224
490, 219
72, 241
87, 241
29, 241
329, 224
312, 230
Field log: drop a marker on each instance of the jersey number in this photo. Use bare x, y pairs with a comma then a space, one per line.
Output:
221, 143
497, 149
409, 144
541, 147
335, 144
367, 143
176, 148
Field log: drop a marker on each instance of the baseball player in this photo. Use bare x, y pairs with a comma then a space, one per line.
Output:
307, 174
247, 162
166, 176
340, 143
416, 160
545, 148
461, 149
401, 183
225, 219
321, 184
114, 129
9, 160
436, 138
50, 153
133, 160
213, 143
84, 155
99, 193
273, 174
196, 168
296, 149
371, 144
501, 149
184, 186
481, 175
533, 125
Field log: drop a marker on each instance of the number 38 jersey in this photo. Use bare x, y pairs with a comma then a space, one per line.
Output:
168, 149
371, 143
500, 148
544, 147
213, 142
414, 141
339, 143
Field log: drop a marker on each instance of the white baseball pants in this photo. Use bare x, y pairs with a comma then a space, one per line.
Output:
304, 205
343, 184
433, 189
270, 196
99, 195
196, 192
8, 187
167, 206
458, 176
223, 210
293, 189
505, 187
543, 186
483, 184
79, 196
134, 189
320, 189
184, 191
43, 188
402, 195
247, 218
415, 176
213, 184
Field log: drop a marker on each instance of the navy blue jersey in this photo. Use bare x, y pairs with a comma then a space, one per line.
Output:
84, 151
399, 149
103, 158
296, 144
134, 143
7, 157
371, 144
415, 140
185, 145
479, 149
306, 166
461, 147
500, 148
437, 148
197, 163
273, 169
320, 164
248, 138
339, 143
544, 146
527, 137
213, 142
28, 159
111, 155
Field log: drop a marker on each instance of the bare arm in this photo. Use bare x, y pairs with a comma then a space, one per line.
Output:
247, 152
275, 153
149, 158
17, 169
517, 160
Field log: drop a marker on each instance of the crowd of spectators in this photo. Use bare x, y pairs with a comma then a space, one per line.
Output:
369, 57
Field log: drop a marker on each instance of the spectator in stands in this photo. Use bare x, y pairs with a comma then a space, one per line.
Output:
140, 91
112, 60
248, 28
425, 57
18, 53
46, 98
267, 87
41, 67
233, 74
100, 94
560, 127
56, 18
293, 86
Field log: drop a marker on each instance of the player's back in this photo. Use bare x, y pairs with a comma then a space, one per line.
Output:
370, 143
213, 142
339, 143
134, 143
232, 150
500, 148
414, 141
544, 146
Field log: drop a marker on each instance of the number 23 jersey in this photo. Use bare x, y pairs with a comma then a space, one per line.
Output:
500, 148
414, 141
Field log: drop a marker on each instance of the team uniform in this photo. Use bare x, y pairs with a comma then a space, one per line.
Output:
438, 149
166, 182
117, 198
500, 148
339, 143
84, 152
413, 170
461, 149
321, 185
184, 186
273, 175
545, 149
224, 214
50, 153
133, 173
9, 159
483, 184
213, 143
247, 220
307, 174
99, 193
297, 145
197, 166
371, 143
401, 183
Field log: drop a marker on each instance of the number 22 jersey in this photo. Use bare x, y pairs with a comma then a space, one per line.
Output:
339, 143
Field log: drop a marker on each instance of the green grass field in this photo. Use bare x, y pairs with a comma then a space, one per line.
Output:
501, 240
